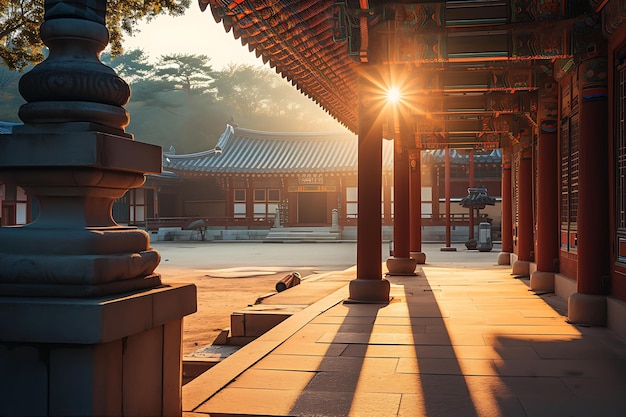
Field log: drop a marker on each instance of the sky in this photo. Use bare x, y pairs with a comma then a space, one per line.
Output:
195, 32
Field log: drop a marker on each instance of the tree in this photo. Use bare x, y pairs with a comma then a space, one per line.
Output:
261, 99
20, 20
245, 88
132, 65
185, 72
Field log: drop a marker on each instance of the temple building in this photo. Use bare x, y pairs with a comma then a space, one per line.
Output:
542, 81
239, 187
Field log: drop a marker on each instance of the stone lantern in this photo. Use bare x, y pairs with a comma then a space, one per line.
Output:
86, 325
476, 200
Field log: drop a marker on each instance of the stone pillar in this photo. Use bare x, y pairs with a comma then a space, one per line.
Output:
588, 304
85, 323
415, 218
547, 243
334, 221
401, 263
504, 257
369, 285
525, 214
277, 218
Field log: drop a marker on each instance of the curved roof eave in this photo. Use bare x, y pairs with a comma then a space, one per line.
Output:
316, 65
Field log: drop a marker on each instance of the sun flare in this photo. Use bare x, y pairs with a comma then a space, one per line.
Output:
393, 95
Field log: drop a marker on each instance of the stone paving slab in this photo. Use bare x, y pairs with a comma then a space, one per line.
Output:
454, 341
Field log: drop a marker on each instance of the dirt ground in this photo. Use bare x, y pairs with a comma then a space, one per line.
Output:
220, 292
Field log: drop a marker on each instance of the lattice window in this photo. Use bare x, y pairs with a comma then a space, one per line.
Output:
620, 117
239, 203
565, 171
352, 205
266, 203
137, 205
573, 168
515, 173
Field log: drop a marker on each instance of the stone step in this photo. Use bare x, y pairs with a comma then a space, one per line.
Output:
256, 320
301, 234
205, 358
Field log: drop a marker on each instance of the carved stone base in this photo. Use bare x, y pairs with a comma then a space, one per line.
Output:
96, 290
504, 258
103, 356
369, 291
520, 268
73, 247
401, 266
420, 257
75, 262
542, 281
587, 309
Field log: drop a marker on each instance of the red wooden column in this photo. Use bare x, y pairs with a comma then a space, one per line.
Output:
504, 257
524, 214
588, 304
387, 220
415, 217
435, 177
448, 246
249, 198
369, 284
471, 185
547, 243
401, 262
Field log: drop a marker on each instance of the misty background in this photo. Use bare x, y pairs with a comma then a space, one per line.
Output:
180, 100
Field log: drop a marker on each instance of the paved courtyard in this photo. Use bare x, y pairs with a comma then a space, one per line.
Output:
463, 338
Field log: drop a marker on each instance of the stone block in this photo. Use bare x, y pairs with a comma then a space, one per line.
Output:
103, 363
23, 381
172, 368
258, 323
143, 370
237, 325
86, 380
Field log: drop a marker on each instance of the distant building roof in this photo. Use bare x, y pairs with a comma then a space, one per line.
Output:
438, 156
253, 152
244, 151
7, 127
164, 175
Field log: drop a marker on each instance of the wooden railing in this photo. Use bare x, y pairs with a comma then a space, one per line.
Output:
185, 222
456, 219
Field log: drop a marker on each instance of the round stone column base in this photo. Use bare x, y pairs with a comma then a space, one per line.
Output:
542, 281
401, 266
369, 291
587, 309
520, 268
420, 257
504, 258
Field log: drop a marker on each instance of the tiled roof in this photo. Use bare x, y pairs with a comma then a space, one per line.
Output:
251, 152
244, 151
438, 157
